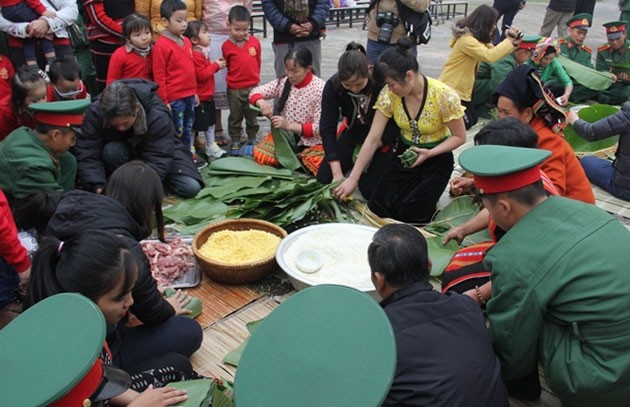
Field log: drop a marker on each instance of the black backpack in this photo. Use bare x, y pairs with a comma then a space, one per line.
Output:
417, 25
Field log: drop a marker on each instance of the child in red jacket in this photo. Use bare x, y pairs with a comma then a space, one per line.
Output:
174, 69
205, 69
243, 59
134, 59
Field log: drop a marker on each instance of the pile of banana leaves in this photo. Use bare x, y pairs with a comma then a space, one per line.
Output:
238, 187
591, 114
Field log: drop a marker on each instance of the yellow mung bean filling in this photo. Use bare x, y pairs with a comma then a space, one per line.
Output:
239, 247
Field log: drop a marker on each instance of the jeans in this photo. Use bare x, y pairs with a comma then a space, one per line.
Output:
183, 185
117, 153
600, 172
375, 49
145, 342
22, 13
9, 283
183, 111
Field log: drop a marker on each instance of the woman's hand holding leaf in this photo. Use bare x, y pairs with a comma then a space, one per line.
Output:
346, 189
423, 155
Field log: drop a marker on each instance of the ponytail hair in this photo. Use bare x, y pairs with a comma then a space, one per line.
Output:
396, 61
353, 62
91, 263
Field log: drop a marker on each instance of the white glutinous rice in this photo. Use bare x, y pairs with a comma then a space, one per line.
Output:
343, 250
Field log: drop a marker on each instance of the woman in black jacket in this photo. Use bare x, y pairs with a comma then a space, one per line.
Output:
127, 207
351, 93
127, 122
613, 176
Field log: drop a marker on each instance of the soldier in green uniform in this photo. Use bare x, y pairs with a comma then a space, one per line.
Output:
617, 51
624, 7
559, 283
572, 47
491, 74
38, 159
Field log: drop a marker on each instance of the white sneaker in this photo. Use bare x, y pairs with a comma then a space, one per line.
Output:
214, 151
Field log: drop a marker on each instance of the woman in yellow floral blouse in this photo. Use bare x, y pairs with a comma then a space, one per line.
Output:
430, 117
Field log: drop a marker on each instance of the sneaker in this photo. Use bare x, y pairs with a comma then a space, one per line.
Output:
199, 162
41, 73
235, 150
248, 149
214, 151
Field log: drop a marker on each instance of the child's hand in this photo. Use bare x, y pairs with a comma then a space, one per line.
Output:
220, 62
280, 122
49, 13
265, 108
170, 109
196, 100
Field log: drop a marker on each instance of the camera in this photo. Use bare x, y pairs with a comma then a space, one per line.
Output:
518, 36
386, 21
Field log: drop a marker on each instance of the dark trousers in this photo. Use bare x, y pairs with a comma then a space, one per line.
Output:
17, 57
101, 53
411, 194
22, 13
507, 9
347, 142
9, 283
138, 346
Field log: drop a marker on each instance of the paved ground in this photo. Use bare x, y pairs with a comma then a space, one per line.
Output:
432, 56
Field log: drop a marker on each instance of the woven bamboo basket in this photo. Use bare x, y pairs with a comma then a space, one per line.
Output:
240, 273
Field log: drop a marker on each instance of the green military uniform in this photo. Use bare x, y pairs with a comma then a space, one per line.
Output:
618, 92
578, 53
559, 291
491, 74
624, 5
30, 161
28, 165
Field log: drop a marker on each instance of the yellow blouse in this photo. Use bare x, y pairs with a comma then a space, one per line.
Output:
442, 105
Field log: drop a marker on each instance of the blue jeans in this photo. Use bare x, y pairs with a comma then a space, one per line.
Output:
183, 111
9, 283
600, 172
117, 153
183, 185
375, 49
145, 342
22, 13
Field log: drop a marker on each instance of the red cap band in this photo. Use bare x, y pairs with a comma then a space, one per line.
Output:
507, 182
61, 120
579, 23
84, 389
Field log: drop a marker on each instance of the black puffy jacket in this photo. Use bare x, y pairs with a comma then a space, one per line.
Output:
158, 147
79, 211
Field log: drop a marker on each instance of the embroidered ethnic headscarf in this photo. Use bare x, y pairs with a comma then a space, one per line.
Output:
524, 87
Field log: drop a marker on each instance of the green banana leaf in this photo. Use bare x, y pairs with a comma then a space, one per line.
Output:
459, 211
191, 211
591, 114
246, 166
235, 184
589, 77
440, 254
283, 150
234, 356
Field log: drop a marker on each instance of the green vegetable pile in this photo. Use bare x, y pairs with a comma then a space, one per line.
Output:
408, 158
238, 187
